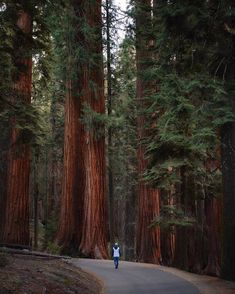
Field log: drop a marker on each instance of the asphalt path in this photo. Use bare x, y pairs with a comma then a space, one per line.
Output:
135, 278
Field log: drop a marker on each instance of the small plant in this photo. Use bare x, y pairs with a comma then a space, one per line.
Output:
4, 259
53, 248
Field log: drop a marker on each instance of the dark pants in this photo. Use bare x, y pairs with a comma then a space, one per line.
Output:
116, 260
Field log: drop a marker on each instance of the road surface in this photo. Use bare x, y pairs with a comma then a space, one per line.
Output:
135, 278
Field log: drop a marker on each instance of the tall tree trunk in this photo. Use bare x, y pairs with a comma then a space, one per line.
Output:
69, 233
17, 203
70, 223
228, 171
4, 142
213, 222
112, 229
148, 240
94, 233
83, 219
213, 213
188, 251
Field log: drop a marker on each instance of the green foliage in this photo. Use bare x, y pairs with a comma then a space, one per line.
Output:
17, 46
124, 142
185, 116
51, 228
171, 217
53, 248
190, 104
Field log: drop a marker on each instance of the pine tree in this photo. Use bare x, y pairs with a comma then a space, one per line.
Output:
94, 233
148, 239
185, 115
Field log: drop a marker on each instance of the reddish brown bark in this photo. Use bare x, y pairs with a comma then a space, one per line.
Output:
213, 223
69, 232
148, 240
228, 170
213, 211
17, 203
4, 141
83, 220
94, 233
201, 252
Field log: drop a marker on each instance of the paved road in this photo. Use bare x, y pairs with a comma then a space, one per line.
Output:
135, 278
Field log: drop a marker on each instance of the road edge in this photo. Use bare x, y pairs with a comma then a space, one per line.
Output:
95, 277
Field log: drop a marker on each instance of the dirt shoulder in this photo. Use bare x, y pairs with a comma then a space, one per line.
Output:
40, 275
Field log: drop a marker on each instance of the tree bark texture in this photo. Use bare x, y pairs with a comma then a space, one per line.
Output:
95, 226
189, 251
112, 227
35, 200
4, 147
17, 203
213, 212
4, 142
70, 223
182, 254
148, 240
212, 206
83, 218
228, 218
201, 252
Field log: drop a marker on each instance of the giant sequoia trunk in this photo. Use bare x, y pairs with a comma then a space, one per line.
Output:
70, 224
71, 204
16, 229
189, 251
228, 170
94, 233
83, 221
213, 219
148, 240
4, 142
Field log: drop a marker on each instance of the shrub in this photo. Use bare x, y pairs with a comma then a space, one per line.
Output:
53, 248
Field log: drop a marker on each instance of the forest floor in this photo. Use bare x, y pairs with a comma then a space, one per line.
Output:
24, 274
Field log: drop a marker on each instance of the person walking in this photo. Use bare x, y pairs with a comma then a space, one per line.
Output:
116, 255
